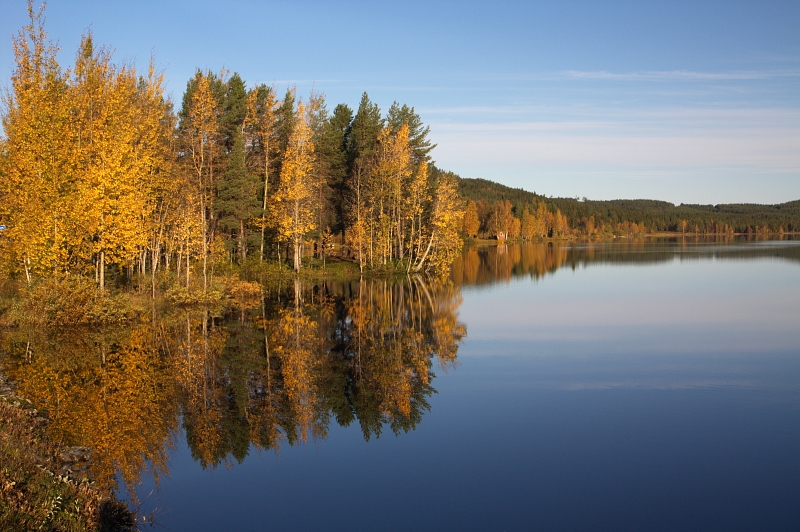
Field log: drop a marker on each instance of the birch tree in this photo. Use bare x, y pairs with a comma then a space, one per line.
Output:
295, 195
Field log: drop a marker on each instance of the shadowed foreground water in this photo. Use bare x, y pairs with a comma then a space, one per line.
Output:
641, 385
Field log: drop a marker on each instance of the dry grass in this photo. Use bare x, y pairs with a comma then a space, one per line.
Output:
70, 300
33, 495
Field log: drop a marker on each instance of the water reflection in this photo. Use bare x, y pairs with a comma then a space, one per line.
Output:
489, 264
272, 374
110, 390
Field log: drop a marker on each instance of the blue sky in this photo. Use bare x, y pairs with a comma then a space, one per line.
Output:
690, 102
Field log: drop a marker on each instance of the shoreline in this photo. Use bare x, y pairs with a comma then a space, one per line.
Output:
611, 238
44, 485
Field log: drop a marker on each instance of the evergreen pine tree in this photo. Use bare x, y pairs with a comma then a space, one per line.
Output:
284, 125
367, 125
237, 198
234, 109
331, 148
417, 133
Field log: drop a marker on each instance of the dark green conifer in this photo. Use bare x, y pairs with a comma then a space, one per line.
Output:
284, 124
367, 124
233, 110
417, 133
237, 198
333, 147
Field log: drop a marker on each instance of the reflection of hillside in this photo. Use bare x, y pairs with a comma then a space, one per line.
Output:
265, 376
489, 264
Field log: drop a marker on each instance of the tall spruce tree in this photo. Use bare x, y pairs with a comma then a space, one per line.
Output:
317, 118
367, 125
417, 133
333, 145
237, 198
233, 110
284, 125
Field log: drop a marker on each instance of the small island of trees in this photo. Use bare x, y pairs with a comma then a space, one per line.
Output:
98, 171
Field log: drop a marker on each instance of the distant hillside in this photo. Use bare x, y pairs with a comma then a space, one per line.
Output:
655, 215
483, 189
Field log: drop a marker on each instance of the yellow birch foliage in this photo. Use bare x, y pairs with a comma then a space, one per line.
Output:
528, 226
81, 151
37, 188
471, 222
201, 140
295, 195
446, 220
117, 128
389, 177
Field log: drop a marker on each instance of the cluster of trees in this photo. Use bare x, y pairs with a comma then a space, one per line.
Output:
97, 170
531, 221
278, 372
628, 217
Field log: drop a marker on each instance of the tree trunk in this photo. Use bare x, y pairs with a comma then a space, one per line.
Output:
242, 244
102, 268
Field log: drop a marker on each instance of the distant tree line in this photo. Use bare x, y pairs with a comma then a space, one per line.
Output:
490, 202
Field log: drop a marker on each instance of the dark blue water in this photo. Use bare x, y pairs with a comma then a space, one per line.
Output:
653, 396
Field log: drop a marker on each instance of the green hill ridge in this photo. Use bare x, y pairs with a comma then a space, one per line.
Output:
656, 215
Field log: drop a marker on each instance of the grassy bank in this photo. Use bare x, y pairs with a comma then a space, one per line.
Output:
41, 487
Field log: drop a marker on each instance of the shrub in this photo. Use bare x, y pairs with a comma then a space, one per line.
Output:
71, 300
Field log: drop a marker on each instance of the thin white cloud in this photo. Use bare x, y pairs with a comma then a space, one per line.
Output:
675, 122
680, 75
504, 148
717, 154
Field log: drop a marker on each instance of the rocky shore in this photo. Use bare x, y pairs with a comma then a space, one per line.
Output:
45, 486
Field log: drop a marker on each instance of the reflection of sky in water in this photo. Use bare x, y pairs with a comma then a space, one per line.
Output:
612, 397
697, 306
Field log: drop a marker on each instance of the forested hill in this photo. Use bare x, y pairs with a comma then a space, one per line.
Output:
655, 215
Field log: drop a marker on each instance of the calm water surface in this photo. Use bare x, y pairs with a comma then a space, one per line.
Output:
630, 386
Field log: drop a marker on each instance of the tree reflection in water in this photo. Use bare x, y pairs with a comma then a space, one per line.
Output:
265, 374
493, 263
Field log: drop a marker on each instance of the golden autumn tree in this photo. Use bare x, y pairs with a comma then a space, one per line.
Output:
295, 195
156, 123
416, 199
446, 219
36, 199
471, 222
81, 151
528, 225
502, 218
560, 224
392, 168
119, 141
201, 140
540, 224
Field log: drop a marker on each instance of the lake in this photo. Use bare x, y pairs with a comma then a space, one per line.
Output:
634, 385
